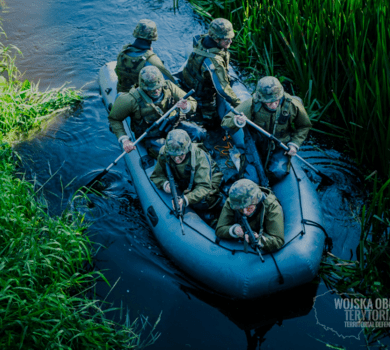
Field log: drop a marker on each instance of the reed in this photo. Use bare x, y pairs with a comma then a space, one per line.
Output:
44, 276
45, 262
335, 52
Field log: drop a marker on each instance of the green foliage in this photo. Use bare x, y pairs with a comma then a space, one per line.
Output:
335, 52
22, 106
43, 277
44, 261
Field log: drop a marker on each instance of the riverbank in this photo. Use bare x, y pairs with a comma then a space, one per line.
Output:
345, 91
46, 262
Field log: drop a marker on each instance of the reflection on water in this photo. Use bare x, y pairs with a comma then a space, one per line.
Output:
70, 41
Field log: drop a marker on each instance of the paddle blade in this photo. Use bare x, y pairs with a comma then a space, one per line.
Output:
96, 179
325, 179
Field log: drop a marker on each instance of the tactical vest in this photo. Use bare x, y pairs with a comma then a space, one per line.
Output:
192, 72
279, 123
185, 181
130, 61
148, 112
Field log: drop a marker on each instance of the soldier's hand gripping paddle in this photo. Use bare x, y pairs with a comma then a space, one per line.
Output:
326, 179
156, 123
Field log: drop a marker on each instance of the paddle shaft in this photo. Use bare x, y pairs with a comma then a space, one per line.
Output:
280, 143
157, 122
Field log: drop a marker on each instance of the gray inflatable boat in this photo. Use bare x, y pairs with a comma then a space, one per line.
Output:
223, 266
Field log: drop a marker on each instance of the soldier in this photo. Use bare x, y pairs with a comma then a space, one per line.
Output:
195, 172
211, 52
135, 56
278, 113
263, 212
146, 104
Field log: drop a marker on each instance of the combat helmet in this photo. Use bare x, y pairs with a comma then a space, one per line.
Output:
177, 143
269, 89
146, 29
244, 193
221, 28
150, 78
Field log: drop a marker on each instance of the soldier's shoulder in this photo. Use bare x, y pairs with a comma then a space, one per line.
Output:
270, 197
199, 150
125, 97
154, 59
295, 101
218, 60
227, 206
161, 153
172, 86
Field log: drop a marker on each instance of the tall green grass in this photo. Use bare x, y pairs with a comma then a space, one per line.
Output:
44, 277
45, 262
335, 52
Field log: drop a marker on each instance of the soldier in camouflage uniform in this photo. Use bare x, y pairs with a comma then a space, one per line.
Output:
146, 104
133, 57
214, 47
278, 113
195, 172
263, 212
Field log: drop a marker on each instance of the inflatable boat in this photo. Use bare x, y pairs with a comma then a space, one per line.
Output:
224, 266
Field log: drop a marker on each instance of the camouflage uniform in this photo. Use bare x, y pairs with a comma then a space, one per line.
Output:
196, 75
142, 109
203, 191
289, 123
268, 215
133, 57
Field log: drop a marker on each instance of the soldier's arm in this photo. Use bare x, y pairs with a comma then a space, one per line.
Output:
155, 61
273, 227
225, 225
158, 176
228, 120
202, 181
124, 106
223, 77
302, 124
178, 94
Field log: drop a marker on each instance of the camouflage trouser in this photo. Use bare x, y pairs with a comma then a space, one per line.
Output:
271, 243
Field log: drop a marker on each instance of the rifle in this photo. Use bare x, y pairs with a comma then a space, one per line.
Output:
178, 211
252, 239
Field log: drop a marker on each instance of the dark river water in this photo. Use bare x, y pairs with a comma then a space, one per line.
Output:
68, 41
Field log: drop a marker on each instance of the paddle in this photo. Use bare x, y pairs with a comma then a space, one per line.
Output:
326, 178
156, 123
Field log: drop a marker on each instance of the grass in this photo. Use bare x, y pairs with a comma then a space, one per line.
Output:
45, 274
335, 55
335, 52
45, 262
